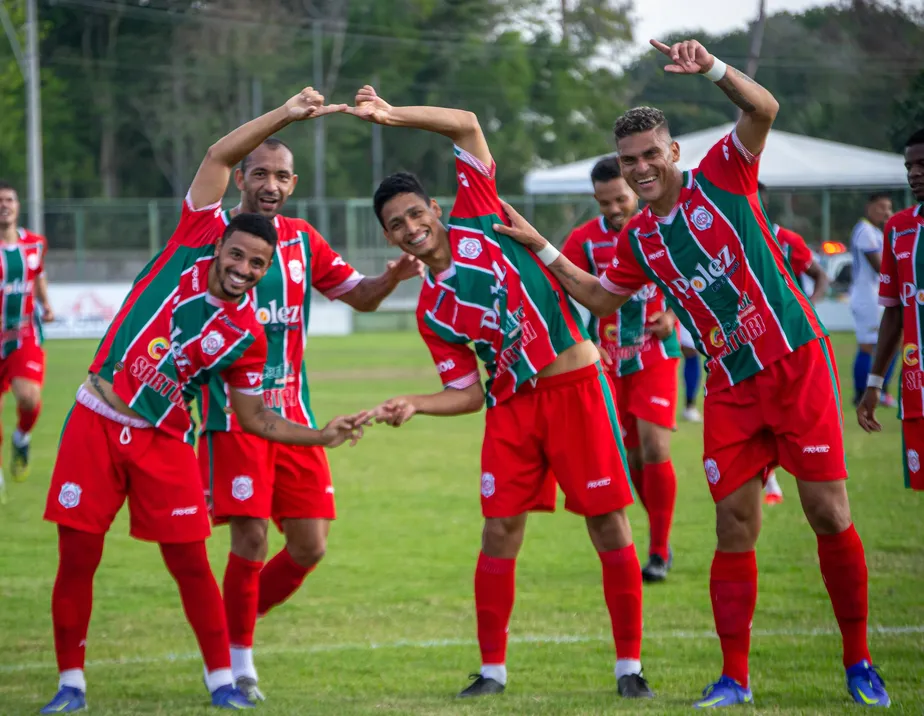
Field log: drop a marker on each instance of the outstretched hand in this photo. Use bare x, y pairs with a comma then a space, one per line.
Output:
688, 57
520, 229
345, 427
308, 104
369, 106
405, 267
394, 411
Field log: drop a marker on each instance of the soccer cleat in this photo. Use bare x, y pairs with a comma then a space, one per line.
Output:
724, 692
692, 415
634, 686
866, 685
228, 697
772, 498
248, 686
655, 570
20, 466
888, 401
66, 701
481, 686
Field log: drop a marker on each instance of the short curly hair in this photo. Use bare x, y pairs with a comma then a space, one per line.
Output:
640, 119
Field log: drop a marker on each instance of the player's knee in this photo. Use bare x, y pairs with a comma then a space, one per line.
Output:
308, 552
248, 538
655, 450
610, 531
502, 536
29, 399
826, 507
736, 526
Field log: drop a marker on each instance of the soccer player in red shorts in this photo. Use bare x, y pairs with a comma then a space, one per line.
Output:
22, 360
772, 390
249, 479
551, 413
187, 317
901, 292
639, 346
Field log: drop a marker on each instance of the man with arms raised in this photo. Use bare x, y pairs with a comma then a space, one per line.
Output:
551, 413
772, 392
639, 345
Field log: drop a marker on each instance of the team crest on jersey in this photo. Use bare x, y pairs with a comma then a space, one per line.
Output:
914, 462
296, 271
701, 218
33, 261
487, 484
70, 495
712, 470
242, 488
212, 343
470, 248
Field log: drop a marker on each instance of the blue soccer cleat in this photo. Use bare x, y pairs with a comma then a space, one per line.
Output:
228, 697
66, 701
866, 685
724, 692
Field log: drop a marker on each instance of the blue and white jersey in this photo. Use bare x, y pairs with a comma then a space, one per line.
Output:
864, 288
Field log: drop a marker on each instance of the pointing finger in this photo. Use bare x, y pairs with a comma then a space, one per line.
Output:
660, 47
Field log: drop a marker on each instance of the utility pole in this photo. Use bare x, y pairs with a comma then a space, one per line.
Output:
378, 156
320, 185
757, 38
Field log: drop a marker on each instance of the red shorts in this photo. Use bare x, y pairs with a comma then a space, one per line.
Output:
912, 450
247, 476
27, 361
789, 414
649, 394
101, 462
564, 429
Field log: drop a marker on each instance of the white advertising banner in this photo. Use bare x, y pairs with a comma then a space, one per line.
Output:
84, 310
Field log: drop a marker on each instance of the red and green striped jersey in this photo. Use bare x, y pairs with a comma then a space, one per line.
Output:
496, 294
717, 262
591, 247
794, 248
901, 283
170, 335
283, 305
20, 266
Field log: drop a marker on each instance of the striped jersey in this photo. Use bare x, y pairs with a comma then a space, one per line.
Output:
282, 302
495, 294
716, 260
591, 247
795, 249
902, 284
170, 335
20, 265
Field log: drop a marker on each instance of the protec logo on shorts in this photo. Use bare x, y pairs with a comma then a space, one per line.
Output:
184, 511
70, 495
599, 483
914, 462
663, 402
712, 470
487, 484
813, 449
242, 488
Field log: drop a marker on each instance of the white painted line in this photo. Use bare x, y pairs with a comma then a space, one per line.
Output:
445, 643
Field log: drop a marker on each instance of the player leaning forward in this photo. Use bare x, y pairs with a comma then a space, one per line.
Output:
551, 413
706, 242
187, 319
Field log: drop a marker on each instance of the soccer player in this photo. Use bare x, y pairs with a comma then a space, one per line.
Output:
187, 317
22, 360
642, 365
772, 393
551, 413
866, 251
691, 375
248, 478
899, 288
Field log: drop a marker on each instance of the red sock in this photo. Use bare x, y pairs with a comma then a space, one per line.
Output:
638, 482
27, 418
843, 566
733, 587
495, 586
279, 579
79, 554
622, 588
188, 562
241, 590
660, 495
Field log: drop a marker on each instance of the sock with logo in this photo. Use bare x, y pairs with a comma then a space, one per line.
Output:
495, 585
622, 589
861, 365
733, 587
843, 567
660, 495
691, 378
241, 590
279, 580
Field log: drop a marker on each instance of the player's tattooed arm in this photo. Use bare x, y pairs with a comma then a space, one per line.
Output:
733, 93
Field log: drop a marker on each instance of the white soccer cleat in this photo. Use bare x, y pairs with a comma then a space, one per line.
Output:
692, 415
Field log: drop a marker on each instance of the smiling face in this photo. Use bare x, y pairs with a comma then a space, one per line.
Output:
241, 260
9, 208
267, 181
618, 203
649, 165
413, 225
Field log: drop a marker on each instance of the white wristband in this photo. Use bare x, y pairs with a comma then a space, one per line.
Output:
547, 254
717, 71
875, 381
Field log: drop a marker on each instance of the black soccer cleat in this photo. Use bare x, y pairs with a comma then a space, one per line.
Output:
634, 686
655, 570
481, 686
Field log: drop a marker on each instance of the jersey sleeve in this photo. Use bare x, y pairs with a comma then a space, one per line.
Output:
573, 250
624, 276
731, 166
888, 277
246, 373
454, 359
198, 226
330, 274
477, 190
801, 256
868, 239
42, 253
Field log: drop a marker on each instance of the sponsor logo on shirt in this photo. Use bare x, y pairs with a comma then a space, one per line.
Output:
656, 255
885, 278
713, 276
910, 293
913, 379
158, 348
18, 287
910, 354
278, 317
281, 397
645, 294
445, 365
903, 255
147, 373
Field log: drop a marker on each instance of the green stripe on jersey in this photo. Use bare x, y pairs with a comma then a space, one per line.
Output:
14, 273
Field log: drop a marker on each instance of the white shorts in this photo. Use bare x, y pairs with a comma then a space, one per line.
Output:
866, 323
686, 340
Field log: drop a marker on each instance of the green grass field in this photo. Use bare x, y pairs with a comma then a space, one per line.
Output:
386, 624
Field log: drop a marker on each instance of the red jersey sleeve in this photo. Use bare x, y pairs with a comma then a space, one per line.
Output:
888, 278
330, 274
455, 361
573, 250
477, 190
198, 227
624, 276
800, 256
246, 373
731, 166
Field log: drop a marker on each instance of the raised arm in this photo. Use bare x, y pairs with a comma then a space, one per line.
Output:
211, 180
369, 293
458, 125
759, 107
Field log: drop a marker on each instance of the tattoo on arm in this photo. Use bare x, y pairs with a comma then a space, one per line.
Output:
572, 276
97, 386
732, 92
